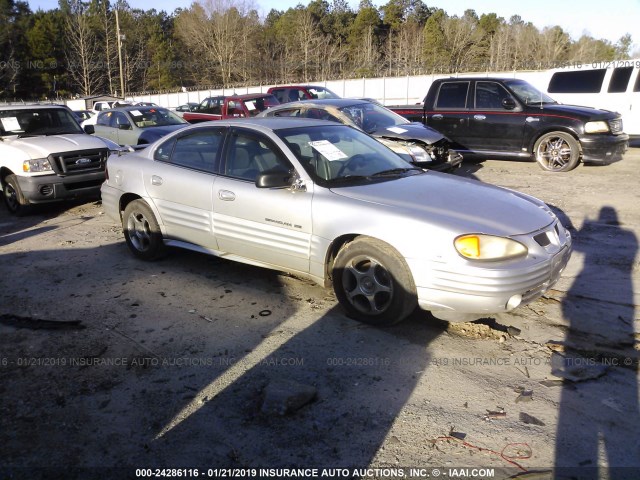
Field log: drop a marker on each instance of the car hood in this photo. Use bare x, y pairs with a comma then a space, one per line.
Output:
584, 113
409, 131
449, 201
157, 132
41, 147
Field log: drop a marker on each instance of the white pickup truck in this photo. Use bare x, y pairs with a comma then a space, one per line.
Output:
45, 156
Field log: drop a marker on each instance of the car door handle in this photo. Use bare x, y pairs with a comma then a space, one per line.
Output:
479, 117
156, 180
437, 116
226, 195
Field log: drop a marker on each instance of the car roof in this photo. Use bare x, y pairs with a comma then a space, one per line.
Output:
140, 108
30, 107
249, 96
332, 102
297, 86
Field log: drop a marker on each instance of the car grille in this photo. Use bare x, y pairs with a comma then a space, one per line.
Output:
615, 126
74, 163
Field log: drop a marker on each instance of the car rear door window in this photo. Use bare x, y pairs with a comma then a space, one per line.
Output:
248, 155
452, 95
198, 150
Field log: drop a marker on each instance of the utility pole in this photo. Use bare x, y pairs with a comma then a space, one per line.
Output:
120, 54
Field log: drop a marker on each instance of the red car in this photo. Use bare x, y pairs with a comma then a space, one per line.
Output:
234, 106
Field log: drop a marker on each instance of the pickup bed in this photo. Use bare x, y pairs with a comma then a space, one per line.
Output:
509, 118
235, 106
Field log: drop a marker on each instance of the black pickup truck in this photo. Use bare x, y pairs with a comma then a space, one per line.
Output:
509, 118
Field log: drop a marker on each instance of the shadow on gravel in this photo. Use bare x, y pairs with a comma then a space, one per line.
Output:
13, 229
176, 360
360, 390
598, 433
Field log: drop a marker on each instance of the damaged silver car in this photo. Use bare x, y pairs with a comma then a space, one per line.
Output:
327, 202
415, 142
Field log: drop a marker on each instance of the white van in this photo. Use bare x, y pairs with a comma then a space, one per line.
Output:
611, 86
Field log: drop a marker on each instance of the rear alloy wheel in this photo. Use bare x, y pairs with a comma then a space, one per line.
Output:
557, 152
373, 282
142, 232
13, 197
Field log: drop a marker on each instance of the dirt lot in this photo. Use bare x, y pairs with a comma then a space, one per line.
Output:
109, 364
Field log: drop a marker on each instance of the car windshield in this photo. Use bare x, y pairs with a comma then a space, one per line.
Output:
371, 117
341, 155
257, 105
321, 92
527, 93
38, 121
154, 117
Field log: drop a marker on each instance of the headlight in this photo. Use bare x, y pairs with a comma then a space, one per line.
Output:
37, 165
596, 127
416, 153
488, 247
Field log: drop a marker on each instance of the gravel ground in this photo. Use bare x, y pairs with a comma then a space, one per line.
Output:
109, 364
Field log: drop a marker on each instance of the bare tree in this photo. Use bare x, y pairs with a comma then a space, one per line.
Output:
83, 52
213, 27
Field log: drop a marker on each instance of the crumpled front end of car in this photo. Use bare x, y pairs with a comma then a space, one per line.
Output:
434, 156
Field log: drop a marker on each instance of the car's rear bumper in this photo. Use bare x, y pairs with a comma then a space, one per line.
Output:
111, 201
603, 149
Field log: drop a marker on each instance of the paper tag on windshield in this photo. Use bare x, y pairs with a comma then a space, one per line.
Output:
250, 106
136, 113
397, 130
10, 124
328, 150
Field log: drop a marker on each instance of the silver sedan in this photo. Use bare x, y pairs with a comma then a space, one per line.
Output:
327, 202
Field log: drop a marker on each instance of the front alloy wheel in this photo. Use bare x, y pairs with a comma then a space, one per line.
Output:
557, 152
373, 282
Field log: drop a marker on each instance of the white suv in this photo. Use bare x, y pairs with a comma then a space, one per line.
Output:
45, 156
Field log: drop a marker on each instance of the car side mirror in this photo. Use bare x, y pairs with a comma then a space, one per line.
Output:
274, 178
509, 103
90, 129
124, 126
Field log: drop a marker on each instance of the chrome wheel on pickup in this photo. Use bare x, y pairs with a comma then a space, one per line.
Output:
557, 152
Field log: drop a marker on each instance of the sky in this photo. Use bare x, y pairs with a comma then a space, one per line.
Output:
575, 17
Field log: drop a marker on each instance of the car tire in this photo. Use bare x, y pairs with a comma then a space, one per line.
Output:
373, 283
142, 232
14, 199
557, 152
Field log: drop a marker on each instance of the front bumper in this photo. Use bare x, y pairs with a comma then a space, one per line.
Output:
603, 149
454, 161
51, 188
458, 292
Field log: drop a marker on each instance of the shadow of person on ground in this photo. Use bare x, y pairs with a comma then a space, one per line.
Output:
598, 433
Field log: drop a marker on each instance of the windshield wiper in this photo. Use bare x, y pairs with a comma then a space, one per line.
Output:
395, 171
349, 178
